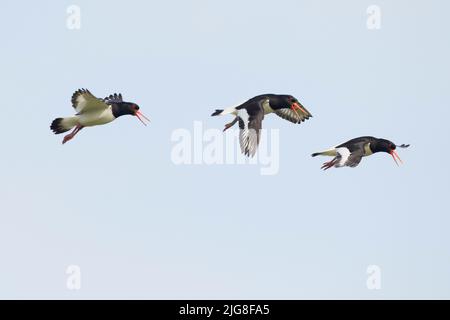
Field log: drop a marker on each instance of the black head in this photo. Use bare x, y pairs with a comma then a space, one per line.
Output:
284, 101
383, 145
121, 108
127, 108
124, 108
281, 101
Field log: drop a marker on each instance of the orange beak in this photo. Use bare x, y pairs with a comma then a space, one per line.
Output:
139, 114
295, 106
394, 154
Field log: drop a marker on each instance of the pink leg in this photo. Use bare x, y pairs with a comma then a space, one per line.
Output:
328, 165
229, 125
72, 134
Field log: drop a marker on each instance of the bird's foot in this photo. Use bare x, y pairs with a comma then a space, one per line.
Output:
68, 138
227, 126
328, 165
72, 134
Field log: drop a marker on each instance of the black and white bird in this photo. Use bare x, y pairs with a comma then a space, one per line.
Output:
351, 152
92, 111
250, 115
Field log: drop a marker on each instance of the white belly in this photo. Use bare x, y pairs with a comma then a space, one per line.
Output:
90, 119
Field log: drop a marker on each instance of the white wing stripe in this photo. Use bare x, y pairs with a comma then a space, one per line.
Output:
248, 138
343, 153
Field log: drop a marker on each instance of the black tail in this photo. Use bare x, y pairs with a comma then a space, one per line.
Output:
57, 126
217, 112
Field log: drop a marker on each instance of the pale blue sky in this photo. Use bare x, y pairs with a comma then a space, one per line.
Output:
112, 201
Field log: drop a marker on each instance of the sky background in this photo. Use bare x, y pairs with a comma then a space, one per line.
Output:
112, 202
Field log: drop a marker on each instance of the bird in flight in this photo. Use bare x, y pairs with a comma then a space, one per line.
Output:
351, 152
92, 111
250, 115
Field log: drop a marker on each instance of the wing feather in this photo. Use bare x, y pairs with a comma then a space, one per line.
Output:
297, 116
84, 101
250, 124
113, 98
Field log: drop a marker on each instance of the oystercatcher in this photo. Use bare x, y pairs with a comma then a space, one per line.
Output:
351, 152
250, 115
92, 111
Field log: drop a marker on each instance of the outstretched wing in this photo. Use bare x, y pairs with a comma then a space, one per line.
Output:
354, 158
84, 101
250, 124
295, 116
113, 98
